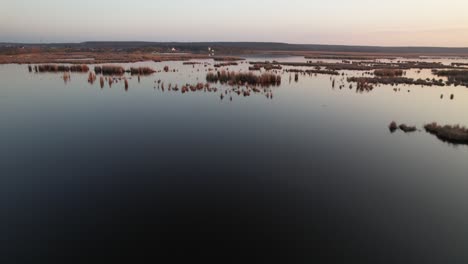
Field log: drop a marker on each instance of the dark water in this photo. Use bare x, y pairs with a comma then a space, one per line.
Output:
310, 176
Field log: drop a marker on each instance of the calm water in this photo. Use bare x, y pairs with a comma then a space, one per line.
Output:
312, 174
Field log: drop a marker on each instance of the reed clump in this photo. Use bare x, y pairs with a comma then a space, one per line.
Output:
61, 68
142, 71
388, 72
109, 70
396, 81
91, 77
407, 129
453, 134
455, 77
241, 78
310, 72
393, 126
225, 64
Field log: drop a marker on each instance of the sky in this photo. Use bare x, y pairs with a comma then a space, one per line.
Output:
347, 22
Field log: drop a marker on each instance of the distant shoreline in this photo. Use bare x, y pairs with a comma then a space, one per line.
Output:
121, 52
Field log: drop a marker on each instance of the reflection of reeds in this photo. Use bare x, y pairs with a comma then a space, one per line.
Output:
101, 82
453, 134
91, 77
126, 84
66, 77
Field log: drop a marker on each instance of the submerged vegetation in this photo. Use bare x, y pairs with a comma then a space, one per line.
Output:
452, 134
241, 78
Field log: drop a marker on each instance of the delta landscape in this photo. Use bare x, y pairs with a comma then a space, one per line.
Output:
188, 148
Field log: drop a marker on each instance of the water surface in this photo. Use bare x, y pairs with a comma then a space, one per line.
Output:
311, 174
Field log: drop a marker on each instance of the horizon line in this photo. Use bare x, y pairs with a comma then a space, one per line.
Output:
228, 42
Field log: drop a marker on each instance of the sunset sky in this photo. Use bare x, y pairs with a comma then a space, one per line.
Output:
357, 22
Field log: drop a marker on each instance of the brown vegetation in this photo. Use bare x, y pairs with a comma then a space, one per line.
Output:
240, 78
61, 68
455, 77
407, 129
388, 72
228, 59
396, 81
109, 70
226, 64
452, 134
142, 71
328, 72
393, 126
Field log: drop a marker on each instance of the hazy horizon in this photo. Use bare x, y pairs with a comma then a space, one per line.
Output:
370, 23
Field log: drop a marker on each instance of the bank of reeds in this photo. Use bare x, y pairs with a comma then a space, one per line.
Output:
388, 72
453, 134
62, 68
241, 78
310, 72
454, 77
109, 70
225, 64
142, 71
396, 81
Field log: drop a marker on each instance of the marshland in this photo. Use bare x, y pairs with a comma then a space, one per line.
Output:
234, 78
262, 118
255, 120
292, 132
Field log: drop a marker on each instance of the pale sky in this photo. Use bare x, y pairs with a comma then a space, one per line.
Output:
350, 22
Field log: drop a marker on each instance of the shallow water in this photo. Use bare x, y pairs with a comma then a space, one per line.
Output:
312, 173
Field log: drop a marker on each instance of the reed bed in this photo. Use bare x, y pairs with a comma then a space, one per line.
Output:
266, 65
109, 70
228, 59
142, 71
225, 64
396, 81
388, 72
61, 68
455, 77
240, 78
453, 134
366, 66
327, 72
